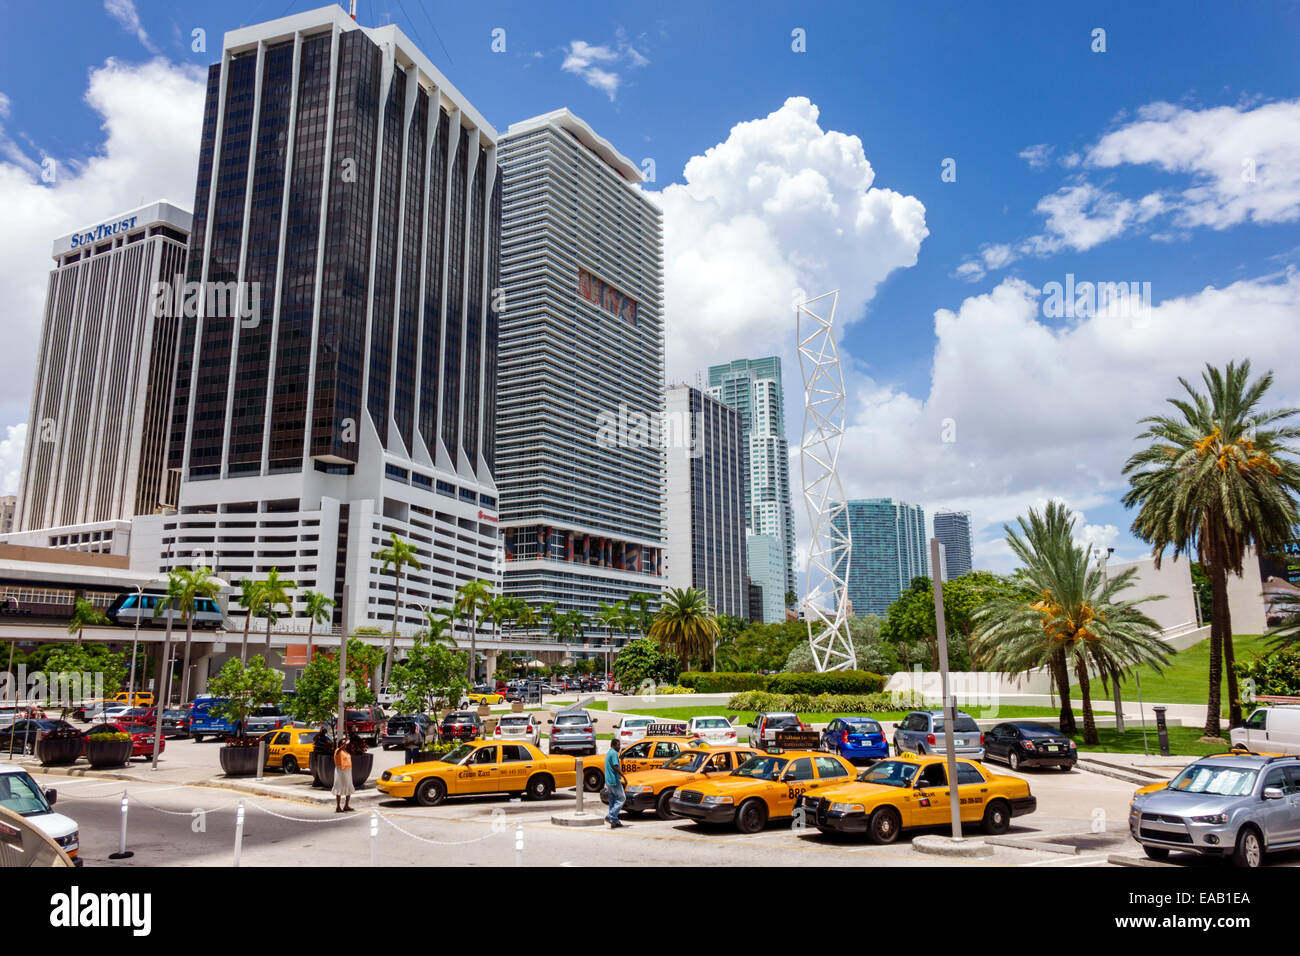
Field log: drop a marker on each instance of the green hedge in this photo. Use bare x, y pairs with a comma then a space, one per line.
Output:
757, 700
831, 682
721, 682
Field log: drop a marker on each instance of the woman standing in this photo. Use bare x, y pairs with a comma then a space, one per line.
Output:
342, 778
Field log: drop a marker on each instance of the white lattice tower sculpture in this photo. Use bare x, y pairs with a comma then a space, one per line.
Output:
823, 432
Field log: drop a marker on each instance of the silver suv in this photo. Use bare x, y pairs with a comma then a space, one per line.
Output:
1241, 805
922, 732
572, 732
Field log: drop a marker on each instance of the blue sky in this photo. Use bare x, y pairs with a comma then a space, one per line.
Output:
979, 84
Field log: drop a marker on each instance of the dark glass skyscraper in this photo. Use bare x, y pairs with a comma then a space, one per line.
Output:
952, 528
348, 203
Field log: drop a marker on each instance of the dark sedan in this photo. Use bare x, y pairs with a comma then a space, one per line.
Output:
176, 723
1020, 744
397, 727
21, 737
460, 725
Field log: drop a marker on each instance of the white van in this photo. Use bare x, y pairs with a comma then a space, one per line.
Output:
1273, 729
21, 794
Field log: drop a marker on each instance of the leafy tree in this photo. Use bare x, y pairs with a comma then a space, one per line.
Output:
397, 556
686, 626
1276, 673
315, 700
431, 677
910, 619
871, 651
791, 598
1216, 479
642, 660
758, 647
1078, 617
90, 659
245, 687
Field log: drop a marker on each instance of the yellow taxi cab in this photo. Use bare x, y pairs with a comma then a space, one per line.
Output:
479, 767
763, 788
911, 790
289, 748
651, 752
653, 789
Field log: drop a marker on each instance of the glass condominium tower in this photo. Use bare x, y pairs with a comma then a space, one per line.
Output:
580, 462
952, 528
753, 388
887, 540
352, 197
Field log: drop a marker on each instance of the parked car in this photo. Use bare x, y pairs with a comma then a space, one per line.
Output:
141, 738
1275, 729
367, 723
1020, 744
205, 723
629, 730
396, 728
855, 738
922, 732
1237, 805
572, 732
21, 735
714, 731
266, 718
519, 727
763, 728
90, 709
289, 748
20, 794
176, 722
461, 725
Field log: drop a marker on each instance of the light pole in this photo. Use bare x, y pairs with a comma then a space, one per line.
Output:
135, 643
949, 703
1119, 706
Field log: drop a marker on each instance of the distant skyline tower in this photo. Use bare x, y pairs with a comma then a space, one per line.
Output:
349, 197
753, 387
706, 499
952, 528
581, 466
889, 549
98, 424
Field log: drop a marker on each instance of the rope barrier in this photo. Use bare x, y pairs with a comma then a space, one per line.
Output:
336, 818
415, 836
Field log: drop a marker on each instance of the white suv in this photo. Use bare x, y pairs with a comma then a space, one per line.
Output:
631, 729
20, 794
718, 731
518, 727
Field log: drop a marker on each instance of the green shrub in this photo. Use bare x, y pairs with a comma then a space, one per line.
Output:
722, 682
110, 736
1275, 674
876, 703
830, 682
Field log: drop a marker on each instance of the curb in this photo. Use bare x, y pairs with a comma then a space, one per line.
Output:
1116, 860
1029, 843
570, 818
947, 846
1106, 770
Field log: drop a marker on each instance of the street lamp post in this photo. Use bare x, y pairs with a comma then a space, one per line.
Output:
949, 703
135, 644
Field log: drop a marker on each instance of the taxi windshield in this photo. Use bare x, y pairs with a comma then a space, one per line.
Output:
1222, 781
457, 755
889, 773
761, 767
688, 762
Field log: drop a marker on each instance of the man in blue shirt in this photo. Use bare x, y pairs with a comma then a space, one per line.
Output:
614, 783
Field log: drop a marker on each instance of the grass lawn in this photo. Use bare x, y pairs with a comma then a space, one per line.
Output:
745, 716
1182, 740
1187, 678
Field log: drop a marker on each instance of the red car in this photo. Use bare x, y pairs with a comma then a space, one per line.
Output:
141, 737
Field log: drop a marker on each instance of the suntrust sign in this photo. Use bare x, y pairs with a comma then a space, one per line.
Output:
103, 231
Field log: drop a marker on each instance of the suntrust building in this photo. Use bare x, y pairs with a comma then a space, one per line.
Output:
350, 196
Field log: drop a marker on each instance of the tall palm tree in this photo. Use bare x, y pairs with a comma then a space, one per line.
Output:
83, 614
192, 584
549, 613
472, 598
1217, 478
498, 610
644, 619
275, 594
610, 615
318, 612
686, 625
397, 555
1077, 618
526, 615
251, 599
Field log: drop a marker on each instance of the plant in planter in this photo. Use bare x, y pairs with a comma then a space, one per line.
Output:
108, 748
245, 687
315, 702
60, 746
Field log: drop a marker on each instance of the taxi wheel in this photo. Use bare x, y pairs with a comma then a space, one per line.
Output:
593, 780
751, 817
540, 787
997, 817
289, 765
884, 825
430, 792
663, 806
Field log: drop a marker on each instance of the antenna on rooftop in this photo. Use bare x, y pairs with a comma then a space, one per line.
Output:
352, 9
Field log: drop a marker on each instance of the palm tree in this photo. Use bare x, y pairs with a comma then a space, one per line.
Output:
251, 599
526, 615
686, 625
472, 598
84, 613
275, 593
190, 586
610, 615
499, 608
440, 622
397, 555
644, 619
1077, 618
550, 614
318, 612
1215, 480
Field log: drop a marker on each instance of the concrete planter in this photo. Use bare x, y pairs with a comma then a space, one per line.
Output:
107, 753
239, 761
58, 751
322, 770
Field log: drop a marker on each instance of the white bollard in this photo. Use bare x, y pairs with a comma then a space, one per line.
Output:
261, 757
519, 844
374, 837
239, 830
577, 769
122, 852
